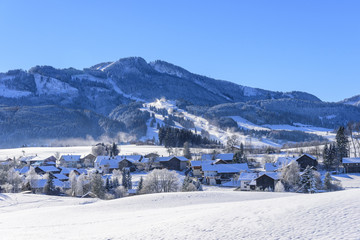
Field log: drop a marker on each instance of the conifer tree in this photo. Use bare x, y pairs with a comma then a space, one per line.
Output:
140, 185
342, 146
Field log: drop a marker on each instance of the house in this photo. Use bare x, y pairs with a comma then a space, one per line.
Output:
218, 173
303, 161
78, 171
227, 157
46, 169
88, 160
60, 177
245, 179
307, 160
107, 164
351, 165
173, 162
267, 180
196, 166
41, 161
69, 161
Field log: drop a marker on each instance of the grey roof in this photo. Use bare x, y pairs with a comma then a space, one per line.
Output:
165, 159
48, 168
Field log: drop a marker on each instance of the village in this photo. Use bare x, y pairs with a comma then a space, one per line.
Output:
73, 175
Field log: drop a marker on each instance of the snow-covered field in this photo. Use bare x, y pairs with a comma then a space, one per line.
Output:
195, 215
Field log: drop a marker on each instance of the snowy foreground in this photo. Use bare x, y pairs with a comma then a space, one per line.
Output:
196, 215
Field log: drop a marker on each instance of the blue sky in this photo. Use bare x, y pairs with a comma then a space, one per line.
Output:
311, 46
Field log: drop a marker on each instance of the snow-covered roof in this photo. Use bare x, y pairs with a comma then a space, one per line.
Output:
226, 168
244, 176
351, 160
23, 170
310, 156
269, 167
60, 176
131, 158
283, 161
71, 158
222, 156
199, 163
68, 170
273, 175
40, 183
48, 168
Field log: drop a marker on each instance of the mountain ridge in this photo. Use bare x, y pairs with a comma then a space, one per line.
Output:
112, 94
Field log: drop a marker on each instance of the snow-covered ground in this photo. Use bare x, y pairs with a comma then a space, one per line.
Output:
350, 180
195, 215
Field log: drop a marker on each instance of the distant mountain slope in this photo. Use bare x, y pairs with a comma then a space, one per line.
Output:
106, 98
355, 101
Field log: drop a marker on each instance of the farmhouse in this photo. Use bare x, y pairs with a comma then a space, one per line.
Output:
173, 162
303, 161
46, 169
196, 166
218, 173
267, 180
226, 157
245, 180
351, 165
69, 161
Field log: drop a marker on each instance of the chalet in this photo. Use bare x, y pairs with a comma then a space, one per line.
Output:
173, 162
218, 173
303, 161
267, 180
245, 179
307, 160
41, 161
87, 160
351, 165
196, 166
69, 161
78, 171
107, 164
46, 169
226, 157
60, 177
39, 184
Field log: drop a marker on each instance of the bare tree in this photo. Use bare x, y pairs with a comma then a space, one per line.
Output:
161, 181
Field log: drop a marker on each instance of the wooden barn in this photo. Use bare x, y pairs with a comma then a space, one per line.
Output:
267, 180
307, 160
125, 163
174, 163
351, 165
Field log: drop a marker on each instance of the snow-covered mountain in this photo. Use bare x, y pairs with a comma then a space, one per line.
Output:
110, 97
355, 101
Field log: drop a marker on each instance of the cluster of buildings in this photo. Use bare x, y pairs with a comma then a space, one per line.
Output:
217, 169
220, 170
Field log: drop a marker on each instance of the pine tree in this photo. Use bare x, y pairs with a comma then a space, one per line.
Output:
327, 181
107, 185
140, 185
342, 146
49, 188
308, 181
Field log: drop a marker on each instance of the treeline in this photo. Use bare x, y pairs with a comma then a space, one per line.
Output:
174, 137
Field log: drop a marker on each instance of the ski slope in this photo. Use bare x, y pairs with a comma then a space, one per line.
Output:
195, 215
